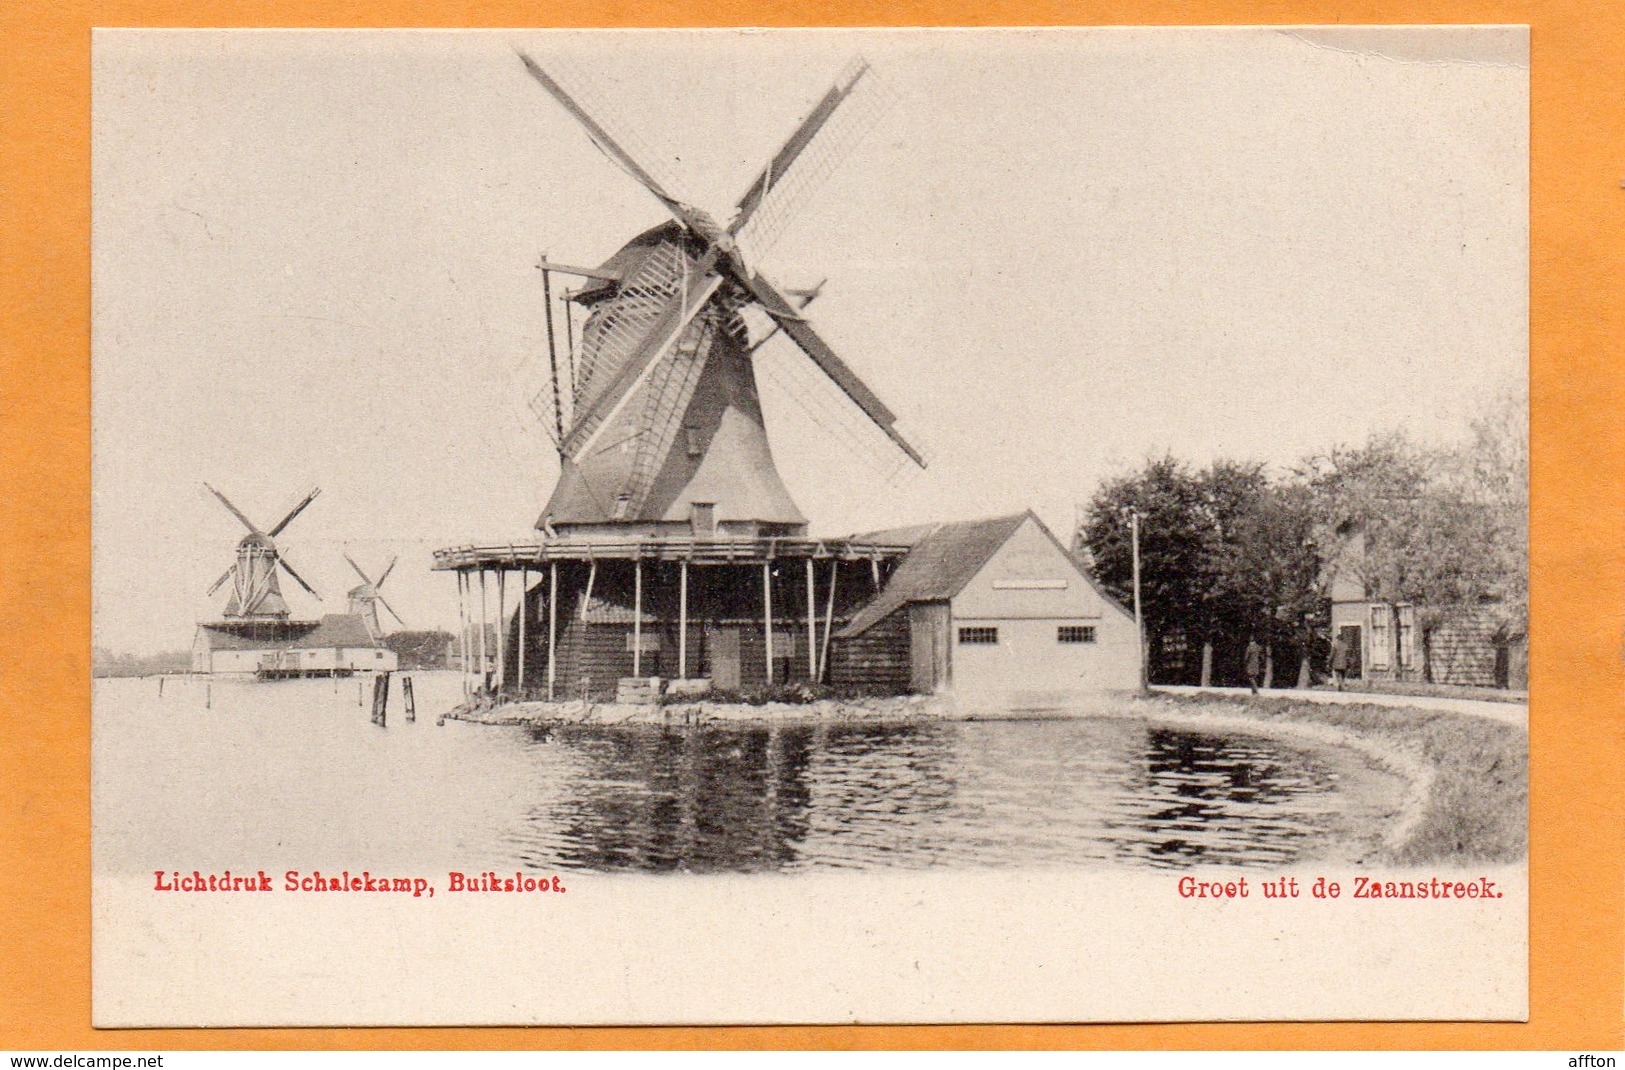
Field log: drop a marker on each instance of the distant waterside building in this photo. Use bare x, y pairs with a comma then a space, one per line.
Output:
340, 644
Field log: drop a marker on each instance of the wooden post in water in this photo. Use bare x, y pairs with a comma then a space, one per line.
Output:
160, 687
208, 694
767, 616
361, 692
682, 620
410, 701
380, 698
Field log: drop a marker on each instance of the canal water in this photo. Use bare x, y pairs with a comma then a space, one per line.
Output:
294, 775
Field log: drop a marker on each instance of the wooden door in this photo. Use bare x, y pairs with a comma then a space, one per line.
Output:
1351, 639
722, 645
928, 647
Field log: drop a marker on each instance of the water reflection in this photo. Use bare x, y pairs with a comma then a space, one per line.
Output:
710, 799
296, 775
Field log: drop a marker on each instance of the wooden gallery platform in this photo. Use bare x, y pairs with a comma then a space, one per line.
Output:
572, 619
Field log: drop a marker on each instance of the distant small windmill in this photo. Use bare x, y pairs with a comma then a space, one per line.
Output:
255, 594
367, 597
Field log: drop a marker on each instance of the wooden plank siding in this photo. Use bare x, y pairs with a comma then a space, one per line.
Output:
876, 662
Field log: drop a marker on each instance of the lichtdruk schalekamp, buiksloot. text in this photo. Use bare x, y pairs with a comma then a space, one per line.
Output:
364, 882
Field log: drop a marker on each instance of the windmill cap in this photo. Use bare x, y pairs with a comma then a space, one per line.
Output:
256, 538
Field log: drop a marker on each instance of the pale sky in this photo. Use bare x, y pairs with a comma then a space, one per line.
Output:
1057, 253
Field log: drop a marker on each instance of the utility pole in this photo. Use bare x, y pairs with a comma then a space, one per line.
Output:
1139, 618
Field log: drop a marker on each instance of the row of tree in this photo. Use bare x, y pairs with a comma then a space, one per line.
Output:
1235, 551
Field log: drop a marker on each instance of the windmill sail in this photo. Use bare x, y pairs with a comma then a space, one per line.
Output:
837, 123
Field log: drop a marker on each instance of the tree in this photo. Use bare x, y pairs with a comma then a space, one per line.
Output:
1491, 470
420, 650
1168, 499
1271, 567
1224, 554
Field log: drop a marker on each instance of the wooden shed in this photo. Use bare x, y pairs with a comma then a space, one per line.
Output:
996, 612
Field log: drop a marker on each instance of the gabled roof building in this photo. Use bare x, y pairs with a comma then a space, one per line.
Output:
996, 612
340, 644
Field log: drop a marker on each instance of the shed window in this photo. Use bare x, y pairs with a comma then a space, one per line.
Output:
1407, 636
978, 636
1381, 638
1075, 633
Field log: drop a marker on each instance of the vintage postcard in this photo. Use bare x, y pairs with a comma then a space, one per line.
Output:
810, 526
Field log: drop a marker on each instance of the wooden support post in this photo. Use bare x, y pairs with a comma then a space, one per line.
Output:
485, 675
502, 629
812, 626
829, 618
637, 616
380, 698
592, 574
462, 627
767, 615
682, 620
552, 626
524, 611
411, 702
874, 571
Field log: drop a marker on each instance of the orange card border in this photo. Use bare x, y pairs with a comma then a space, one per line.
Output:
1577, 216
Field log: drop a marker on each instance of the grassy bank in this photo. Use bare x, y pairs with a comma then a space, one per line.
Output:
1476, 804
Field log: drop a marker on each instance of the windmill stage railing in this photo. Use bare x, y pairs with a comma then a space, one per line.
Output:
666, 548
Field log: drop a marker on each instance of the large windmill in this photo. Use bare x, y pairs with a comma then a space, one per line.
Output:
255, 592
671, 547
665, 430
367, 597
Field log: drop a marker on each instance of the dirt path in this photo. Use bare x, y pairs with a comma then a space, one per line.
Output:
1513, 713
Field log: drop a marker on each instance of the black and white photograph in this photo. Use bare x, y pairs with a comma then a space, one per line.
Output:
639, 527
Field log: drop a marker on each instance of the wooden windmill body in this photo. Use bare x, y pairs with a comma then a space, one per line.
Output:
689, 449
256, 595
